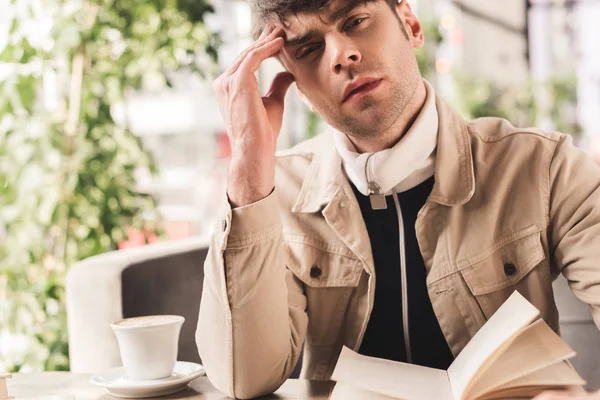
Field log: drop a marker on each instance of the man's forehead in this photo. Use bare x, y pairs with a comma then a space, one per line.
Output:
328, 14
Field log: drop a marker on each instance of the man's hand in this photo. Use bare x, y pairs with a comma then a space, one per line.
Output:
253, 122
568, 396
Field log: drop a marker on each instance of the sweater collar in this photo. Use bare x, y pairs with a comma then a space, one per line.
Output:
407, 164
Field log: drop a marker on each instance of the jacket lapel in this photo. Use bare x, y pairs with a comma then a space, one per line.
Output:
326, 189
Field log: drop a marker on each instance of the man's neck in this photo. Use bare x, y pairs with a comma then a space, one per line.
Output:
394, 133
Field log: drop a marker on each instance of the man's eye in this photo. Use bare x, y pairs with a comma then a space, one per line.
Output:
307, 51
355, 22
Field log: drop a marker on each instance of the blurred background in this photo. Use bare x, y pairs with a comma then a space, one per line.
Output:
110, 136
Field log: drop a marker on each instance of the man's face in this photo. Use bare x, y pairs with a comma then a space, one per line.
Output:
354, 43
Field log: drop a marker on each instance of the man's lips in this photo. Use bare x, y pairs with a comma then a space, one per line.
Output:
360, 87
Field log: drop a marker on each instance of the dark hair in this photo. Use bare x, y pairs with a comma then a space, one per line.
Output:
277, 10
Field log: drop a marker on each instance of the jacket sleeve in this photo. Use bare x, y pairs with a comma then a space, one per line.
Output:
253, 319
575, 221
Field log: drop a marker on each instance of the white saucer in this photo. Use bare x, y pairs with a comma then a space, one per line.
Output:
118, 384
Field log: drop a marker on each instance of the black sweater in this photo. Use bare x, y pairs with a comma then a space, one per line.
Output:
384, 337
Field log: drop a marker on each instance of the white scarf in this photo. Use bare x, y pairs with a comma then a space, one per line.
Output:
398, 169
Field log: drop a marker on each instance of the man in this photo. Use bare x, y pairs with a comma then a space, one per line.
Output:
398, 233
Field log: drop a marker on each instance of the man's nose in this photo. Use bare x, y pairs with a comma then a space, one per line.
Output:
344, 53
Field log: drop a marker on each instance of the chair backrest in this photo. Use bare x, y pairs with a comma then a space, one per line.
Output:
579, 330
161, 278
167, 285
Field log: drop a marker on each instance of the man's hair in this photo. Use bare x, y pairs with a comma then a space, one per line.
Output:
276, 10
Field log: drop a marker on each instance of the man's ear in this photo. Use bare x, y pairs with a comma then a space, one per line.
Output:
304, 99
411, 24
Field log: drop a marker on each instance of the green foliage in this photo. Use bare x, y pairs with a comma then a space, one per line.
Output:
521, 105
426, 55
563, 108
313, 123
67, 170
480, 98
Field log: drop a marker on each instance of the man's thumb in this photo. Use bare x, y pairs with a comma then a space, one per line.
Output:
279, 87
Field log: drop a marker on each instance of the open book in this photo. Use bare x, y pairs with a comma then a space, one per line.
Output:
510, 357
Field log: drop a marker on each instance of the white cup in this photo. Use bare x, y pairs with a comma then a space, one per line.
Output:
148, 345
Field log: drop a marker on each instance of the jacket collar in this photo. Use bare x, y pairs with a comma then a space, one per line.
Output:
324, 176
454, 172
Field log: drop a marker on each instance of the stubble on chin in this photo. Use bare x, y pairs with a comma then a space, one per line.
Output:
375, 117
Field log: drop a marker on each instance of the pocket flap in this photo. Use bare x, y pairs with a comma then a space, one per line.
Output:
505, 266
322, 268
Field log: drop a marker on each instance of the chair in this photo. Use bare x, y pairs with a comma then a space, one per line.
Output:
162, 278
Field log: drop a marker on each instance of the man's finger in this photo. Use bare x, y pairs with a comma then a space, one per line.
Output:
267, 35
259, 42
280, 85
260, 54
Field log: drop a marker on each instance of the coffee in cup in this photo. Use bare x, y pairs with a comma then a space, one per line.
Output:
148, 345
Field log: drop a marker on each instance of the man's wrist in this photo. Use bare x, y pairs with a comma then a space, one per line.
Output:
240, 197
249, 183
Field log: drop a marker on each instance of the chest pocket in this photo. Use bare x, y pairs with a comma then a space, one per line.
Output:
329, 279
520, 264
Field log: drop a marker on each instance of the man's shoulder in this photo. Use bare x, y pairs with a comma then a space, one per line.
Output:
493, 129
495, 139
500, 149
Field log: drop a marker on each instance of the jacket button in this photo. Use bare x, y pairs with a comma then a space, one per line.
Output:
510, 269
315, 272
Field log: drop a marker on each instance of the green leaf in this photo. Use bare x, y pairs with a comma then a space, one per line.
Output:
14, 26
26, 88
27, 52
7, 55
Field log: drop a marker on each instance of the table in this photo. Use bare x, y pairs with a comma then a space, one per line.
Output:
78, 387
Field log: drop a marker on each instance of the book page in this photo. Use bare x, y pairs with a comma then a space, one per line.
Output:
346, 391
390, 378
514, 315
533, 349
526, 393
561, 374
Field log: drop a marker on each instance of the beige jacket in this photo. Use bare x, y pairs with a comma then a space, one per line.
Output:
296, 267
